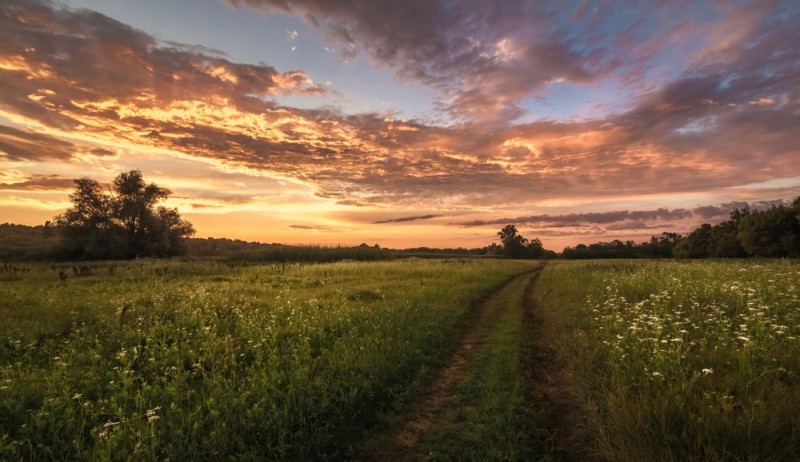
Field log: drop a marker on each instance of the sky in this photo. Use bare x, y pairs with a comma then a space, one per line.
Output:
406, 124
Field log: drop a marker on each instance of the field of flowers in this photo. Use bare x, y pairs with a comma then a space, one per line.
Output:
199, 361
681, 360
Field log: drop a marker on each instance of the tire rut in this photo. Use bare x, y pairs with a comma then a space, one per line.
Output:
404, 439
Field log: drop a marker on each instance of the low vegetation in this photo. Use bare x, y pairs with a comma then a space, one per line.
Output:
163, 360
615, 360
680, 360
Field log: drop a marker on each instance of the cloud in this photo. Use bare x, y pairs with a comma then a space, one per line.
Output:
637, 225
627, 224
22, 145
39, 183
56, 61
407, 219
574, 219
75, 75
483, 57
723, 211
308, 227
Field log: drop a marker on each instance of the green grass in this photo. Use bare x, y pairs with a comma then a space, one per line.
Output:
681, 360
200, 361
495, 414
205, 361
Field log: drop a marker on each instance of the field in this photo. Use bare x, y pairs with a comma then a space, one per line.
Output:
680, 360
437, 359
170, 360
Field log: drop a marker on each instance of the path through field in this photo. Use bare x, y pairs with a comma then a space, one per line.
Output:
485, 402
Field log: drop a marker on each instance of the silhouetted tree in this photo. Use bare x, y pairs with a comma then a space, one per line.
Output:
513, 243
535, 249
516, 246
122, 222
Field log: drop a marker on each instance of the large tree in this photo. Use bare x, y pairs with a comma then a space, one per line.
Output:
516, 246
122, 221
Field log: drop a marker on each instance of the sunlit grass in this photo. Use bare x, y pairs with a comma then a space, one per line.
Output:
202, 361
682, 361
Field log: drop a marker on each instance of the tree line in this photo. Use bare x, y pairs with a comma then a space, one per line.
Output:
770, 233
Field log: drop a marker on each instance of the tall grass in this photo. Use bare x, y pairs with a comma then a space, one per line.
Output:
681, 361
203, 361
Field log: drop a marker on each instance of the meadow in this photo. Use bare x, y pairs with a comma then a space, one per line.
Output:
689, 360
157, 359
203, 360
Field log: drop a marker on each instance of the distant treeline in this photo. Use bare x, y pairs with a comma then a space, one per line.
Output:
26, 243
770, 233
20, 242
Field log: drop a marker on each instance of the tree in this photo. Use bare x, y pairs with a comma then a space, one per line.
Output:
696, 244
535, 249
513, 243
774, 232
122, 222
724, 239
516, 246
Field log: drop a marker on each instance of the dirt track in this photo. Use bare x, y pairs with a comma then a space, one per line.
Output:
404, 439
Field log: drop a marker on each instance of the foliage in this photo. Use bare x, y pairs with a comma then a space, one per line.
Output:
20, 242
516, 246
658, 247
681, 360
161, 359
772, 233
123, 222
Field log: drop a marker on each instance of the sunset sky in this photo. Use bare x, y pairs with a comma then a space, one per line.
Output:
406, 123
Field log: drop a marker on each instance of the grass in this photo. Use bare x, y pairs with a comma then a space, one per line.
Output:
153, 360
173, 360
681, 360
494, 414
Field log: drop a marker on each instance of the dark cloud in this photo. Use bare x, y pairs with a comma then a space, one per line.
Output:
308, 227
636, 225
40, 183
17, 144
575, 219
611, 223
723, 211
406, 219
